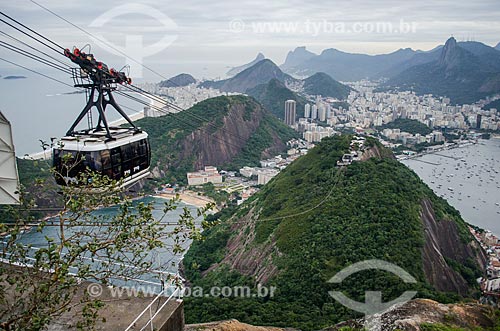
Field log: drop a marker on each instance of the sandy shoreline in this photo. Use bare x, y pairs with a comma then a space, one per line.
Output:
188, 198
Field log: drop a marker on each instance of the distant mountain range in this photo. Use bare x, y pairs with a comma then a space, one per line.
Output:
341, 65
178, 81
296, 57
462, 71
236, 70
266, 70
260, 73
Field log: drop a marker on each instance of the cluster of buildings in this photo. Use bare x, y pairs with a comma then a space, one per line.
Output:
412, 139
312, 132
184, 97
245, 181
491, 245
271, 167
356, 150
368, 109
208, 175
321, 110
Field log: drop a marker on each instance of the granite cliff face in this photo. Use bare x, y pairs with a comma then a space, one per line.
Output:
443, 244
231, 131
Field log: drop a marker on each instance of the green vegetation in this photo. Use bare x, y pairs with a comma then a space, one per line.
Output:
178, 141
324, 85
446, 327
407, 125
220, 197
35, 296
167, 131
31, 171
269, 130
322, 219
339, 104
34, 175
273, 96
494, 104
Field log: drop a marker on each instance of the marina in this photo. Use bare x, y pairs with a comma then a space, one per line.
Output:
468, 178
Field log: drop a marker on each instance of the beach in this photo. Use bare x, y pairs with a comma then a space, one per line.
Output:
189, 198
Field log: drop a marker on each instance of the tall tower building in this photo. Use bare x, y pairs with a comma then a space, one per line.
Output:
314, 112
322, 113
307, 110
479, 117
290, 112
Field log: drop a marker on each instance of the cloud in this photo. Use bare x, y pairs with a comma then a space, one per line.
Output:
203, 28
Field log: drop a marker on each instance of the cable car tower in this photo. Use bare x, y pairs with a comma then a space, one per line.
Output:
98, 80
121, 153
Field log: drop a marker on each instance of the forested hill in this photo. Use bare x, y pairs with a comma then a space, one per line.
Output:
313, 220
407, 125
231, 131
273, 96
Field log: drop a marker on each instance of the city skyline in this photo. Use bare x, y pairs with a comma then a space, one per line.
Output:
205, 39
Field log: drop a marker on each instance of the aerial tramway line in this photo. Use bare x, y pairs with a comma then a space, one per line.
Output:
121, 153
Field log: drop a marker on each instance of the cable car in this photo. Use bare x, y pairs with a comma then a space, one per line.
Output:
120, 153
127, 158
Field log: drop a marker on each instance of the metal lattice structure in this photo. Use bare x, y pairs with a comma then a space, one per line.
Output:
99, 82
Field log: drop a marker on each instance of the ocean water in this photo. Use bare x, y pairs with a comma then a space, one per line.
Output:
468, 178
163, 259
39, 109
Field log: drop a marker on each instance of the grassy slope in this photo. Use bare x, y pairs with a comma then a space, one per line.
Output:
373, 212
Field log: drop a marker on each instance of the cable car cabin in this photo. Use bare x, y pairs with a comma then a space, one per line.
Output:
127, 157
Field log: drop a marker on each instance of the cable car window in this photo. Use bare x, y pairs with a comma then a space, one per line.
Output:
93, 161
106, 163
96, 163
116, 162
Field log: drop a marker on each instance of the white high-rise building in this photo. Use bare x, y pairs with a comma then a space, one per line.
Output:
314, 112
322, 113
290, 112
307, 110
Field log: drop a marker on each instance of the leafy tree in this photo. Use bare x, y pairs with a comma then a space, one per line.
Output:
407, 125
38, 284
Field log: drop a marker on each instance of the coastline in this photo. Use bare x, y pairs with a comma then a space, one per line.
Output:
467, 178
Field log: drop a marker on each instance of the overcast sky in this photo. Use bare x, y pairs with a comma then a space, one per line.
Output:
204, 37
